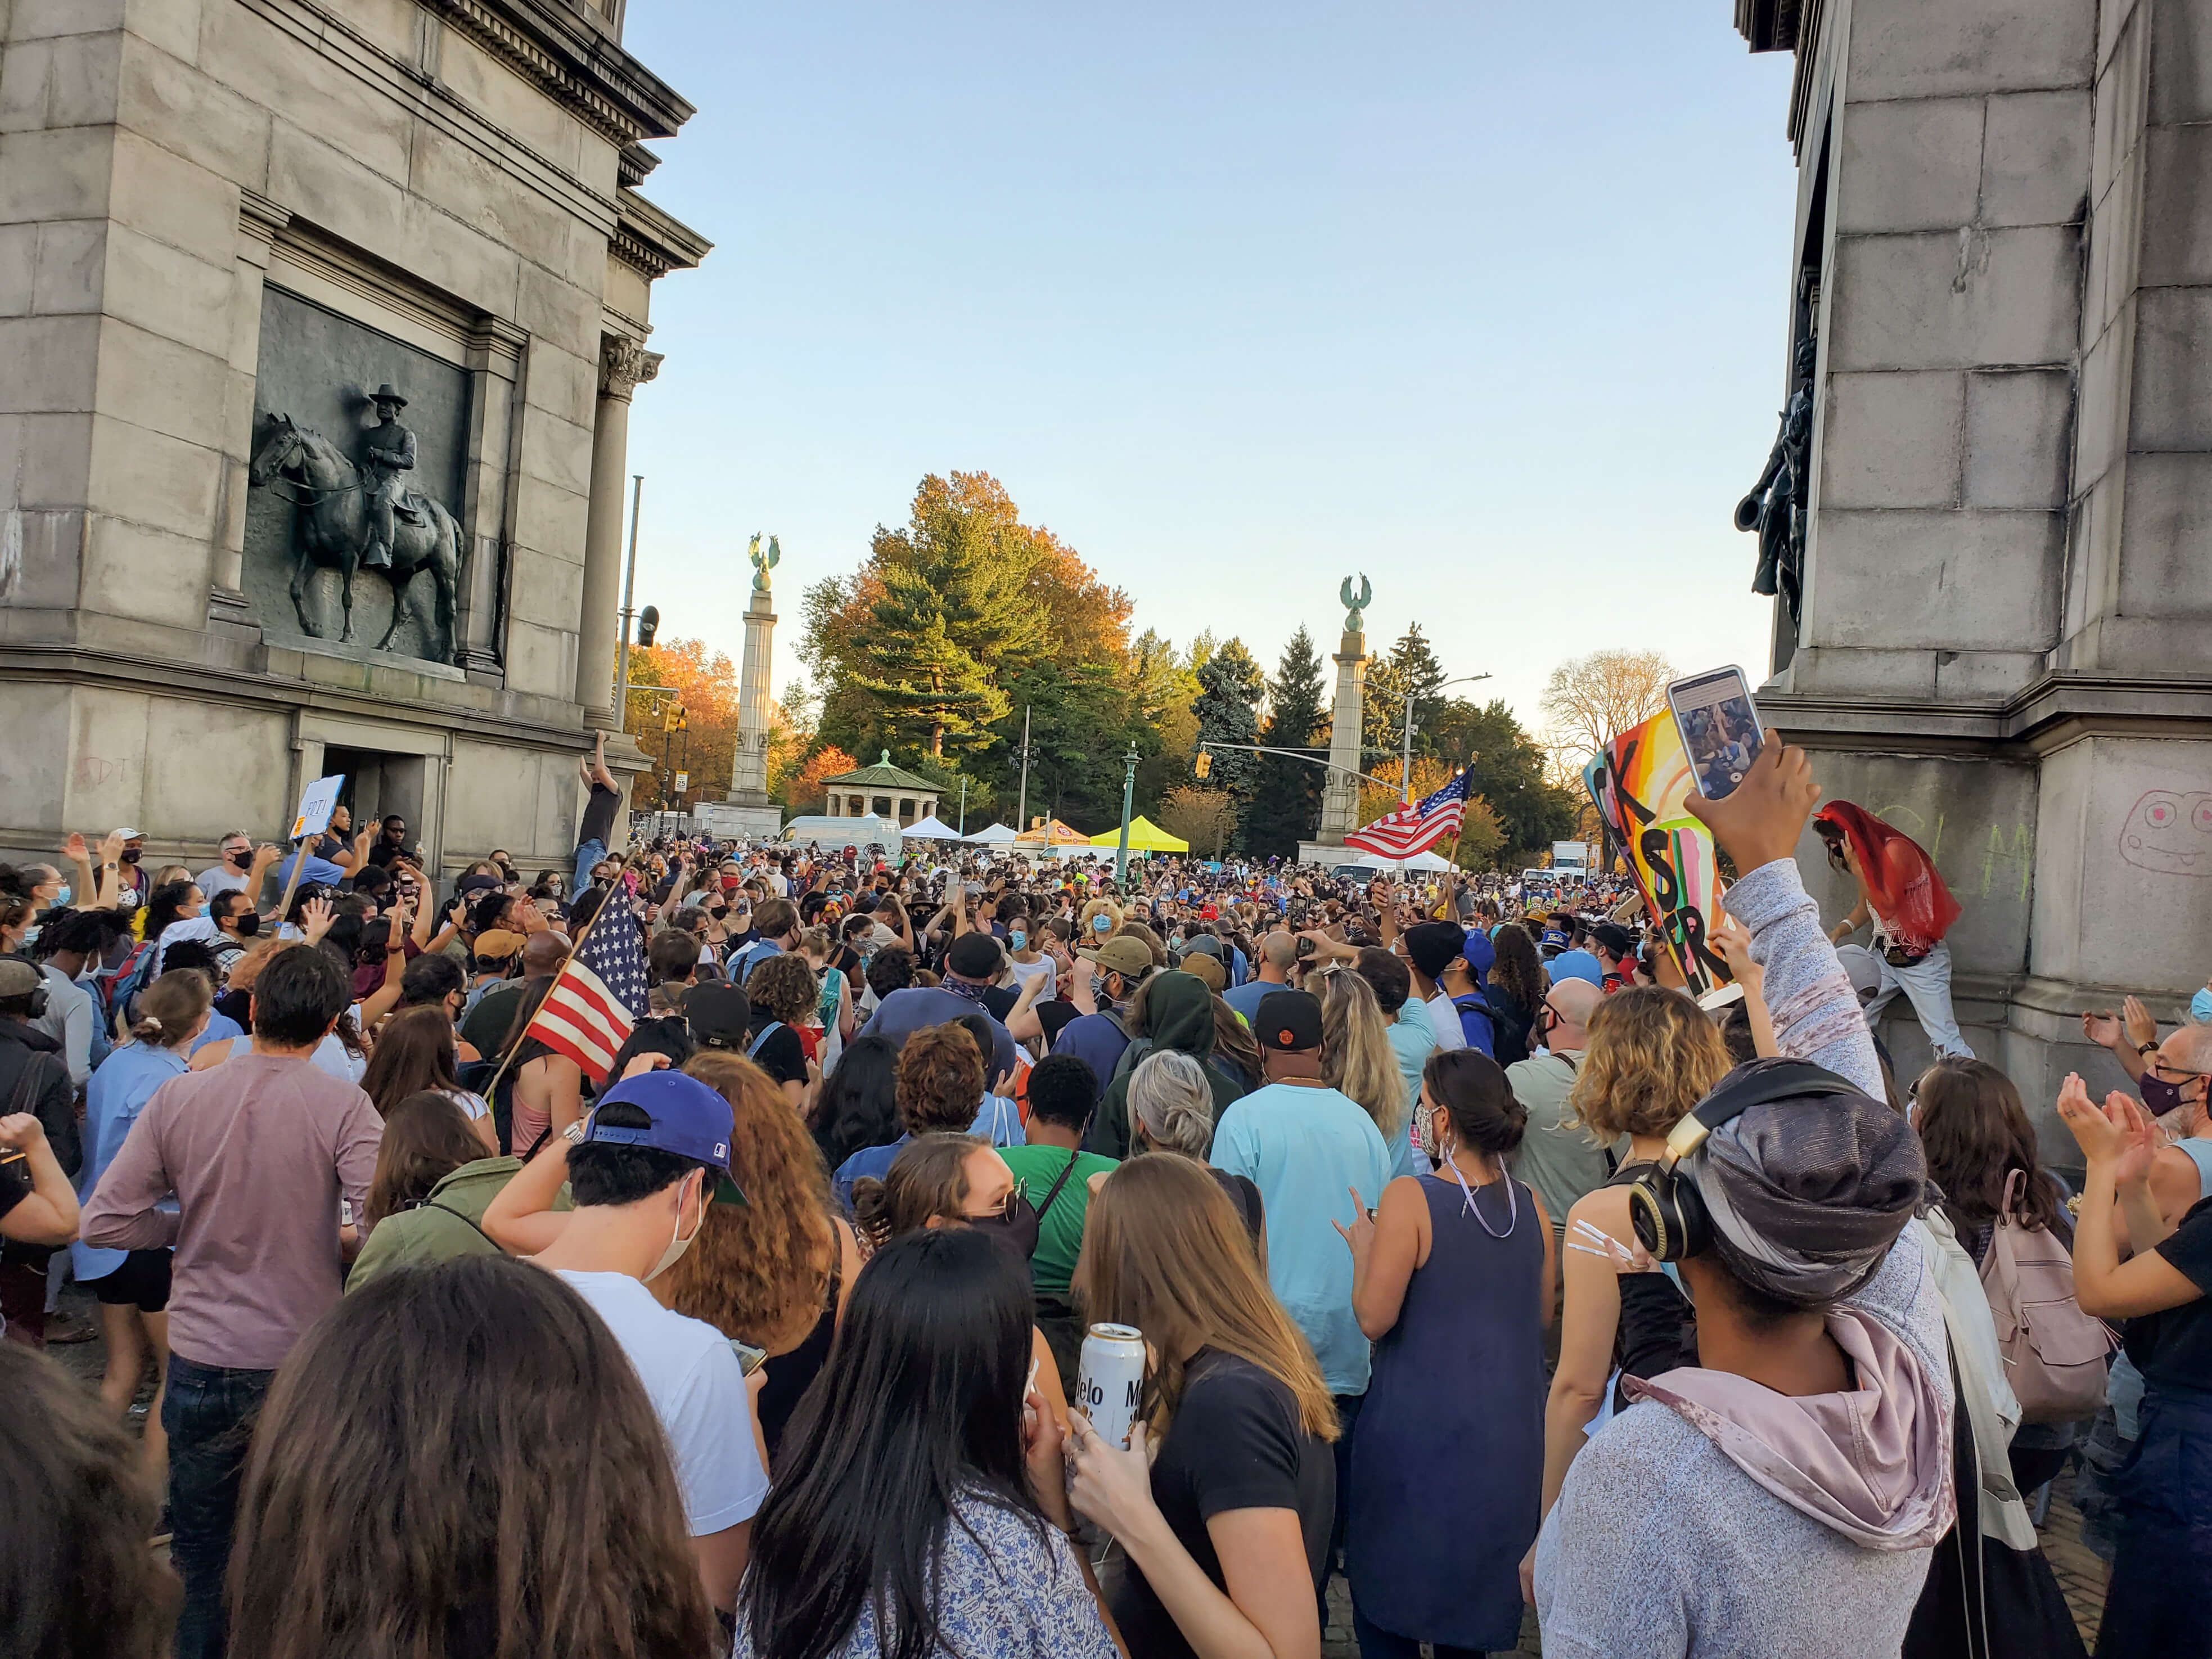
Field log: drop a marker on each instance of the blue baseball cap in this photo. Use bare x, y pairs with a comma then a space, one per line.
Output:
688, 1119
1576, 965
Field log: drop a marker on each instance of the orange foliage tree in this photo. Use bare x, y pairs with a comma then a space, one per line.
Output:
804, 793
706, 687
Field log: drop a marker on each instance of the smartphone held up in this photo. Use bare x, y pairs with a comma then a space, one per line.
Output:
1719, 727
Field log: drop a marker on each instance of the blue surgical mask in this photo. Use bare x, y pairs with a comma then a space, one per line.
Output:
62, 899
2200, 1005
1017, 939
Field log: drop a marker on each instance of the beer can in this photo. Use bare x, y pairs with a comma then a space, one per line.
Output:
1112, 1382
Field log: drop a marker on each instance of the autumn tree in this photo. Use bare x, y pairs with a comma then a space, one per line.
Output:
1589, 700
706, 687
1206, 818
1481, 837
805, 791
1286, 795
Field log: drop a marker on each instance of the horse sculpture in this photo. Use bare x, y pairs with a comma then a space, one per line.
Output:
333, 531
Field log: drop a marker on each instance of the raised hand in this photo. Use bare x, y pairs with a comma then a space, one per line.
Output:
2101, 1139
1360, 1237
1762, 820
75, 849
2142, 1028
2102, 1027
315, 919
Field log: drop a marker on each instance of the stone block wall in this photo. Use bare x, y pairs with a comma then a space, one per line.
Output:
163, 163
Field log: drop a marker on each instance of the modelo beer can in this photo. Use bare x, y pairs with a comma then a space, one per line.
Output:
1112, 1382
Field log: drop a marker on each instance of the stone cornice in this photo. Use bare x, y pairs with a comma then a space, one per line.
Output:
580, 68
634, 163
1768, 25
653, 241
2057, 709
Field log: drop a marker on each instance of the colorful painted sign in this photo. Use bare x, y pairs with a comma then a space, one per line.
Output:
1640, 782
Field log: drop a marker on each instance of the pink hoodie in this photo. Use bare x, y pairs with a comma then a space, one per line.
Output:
1869, 1462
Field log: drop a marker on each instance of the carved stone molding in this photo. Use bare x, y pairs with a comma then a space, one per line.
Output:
576, 65
624, 365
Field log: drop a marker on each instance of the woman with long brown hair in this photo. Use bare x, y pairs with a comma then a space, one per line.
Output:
418, 1211
1515, 989
461, 1458
1241, 1483
1652, 1056
416, 1053
771, 1271
1975, 1133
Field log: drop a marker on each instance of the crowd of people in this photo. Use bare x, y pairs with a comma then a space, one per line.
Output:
1470, 1259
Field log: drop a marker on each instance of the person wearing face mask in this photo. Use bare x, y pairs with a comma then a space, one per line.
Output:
1452, 1277
643, 1169
238, 867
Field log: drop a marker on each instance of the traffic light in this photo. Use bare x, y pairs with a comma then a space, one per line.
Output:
648, 624
678, 720
1205, 764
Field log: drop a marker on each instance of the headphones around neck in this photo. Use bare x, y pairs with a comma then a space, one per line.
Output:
1667, 1211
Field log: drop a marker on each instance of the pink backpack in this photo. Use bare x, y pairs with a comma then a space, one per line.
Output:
2054, 1353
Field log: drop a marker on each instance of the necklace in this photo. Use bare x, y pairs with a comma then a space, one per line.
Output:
1470, 1208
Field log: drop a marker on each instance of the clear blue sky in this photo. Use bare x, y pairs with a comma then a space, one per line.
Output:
1488, 300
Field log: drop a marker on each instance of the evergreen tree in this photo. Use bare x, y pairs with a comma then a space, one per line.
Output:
1230, 686
1285, 805
1414, 665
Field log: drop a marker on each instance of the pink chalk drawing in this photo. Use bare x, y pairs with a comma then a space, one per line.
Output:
2169, 833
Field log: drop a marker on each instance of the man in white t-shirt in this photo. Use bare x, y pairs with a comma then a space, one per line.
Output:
652, 1157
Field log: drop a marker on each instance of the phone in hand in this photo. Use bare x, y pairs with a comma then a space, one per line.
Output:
1719, 726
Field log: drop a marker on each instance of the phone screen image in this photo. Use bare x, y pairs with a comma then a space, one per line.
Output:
1719, 726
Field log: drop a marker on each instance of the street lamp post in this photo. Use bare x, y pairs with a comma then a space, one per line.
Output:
1405, 758
964, 808
1128, 799
629, 591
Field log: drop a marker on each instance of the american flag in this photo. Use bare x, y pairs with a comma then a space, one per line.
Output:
1415, 829
598, 997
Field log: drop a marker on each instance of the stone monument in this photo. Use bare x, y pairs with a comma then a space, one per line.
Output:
318, 327
2000, 287
749, 813
1340, 795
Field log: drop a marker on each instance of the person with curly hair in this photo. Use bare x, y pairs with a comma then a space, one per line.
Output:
940, 1083
784, 996
771, 1271
1651, 1056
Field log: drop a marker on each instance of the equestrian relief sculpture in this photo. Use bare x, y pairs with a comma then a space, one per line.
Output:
364, 517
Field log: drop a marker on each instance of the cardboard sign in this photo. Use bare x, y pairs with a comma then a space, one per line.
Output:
317, 804
1640, 782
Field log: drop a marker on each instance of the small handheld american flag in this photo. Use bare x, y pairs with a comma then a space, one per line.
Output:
1415, 829
598, 997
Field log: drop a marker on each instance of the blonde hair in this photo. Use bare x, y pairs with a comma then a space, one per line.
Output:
172, 1007
1098, 907
1169, 1095
1651, 1056
1357, 1057
1164, 1250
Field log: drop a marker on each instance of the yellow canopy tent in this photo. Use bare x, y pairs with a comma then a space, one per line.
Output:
1145, 836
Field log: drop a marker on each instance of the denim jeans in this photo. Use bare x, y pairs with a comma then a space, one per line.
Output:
1927, 986
2154, 1603
1378, 1644
209, 1413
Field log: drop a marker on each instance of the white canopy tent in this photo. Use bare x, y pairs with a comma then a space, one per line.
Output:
930, 828
998, 835
1419, 861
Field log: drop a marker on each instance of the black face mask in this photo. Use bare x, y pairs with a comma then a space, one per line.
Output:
241, 860
246, 926
1017, 1234
133, 854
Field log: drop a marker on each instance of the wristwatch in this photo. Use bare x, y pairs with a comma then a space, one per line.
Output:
2147, 1048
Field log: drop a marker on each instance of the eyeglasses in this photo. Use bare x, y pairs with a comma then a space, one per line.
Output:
1008, 1206
2162, 1068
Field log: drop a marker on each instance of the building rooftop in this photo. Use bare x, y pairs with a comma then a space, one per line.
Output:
883, 775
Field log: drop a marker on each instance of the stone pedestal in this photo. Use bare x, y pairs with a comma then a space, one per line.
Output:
1340, 796
2003, 647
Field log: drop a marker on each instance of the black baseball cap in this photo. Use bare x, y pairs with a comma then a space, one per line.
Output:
1613, 940
1288, 1021
975, 956
1431, 946
719, 1013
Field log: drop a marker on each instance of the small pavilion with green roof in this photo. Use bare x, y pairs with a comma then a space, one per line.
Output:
882, 790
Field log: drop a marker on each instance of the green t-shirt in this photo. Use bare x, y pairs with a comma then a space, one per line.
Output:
1060, 1238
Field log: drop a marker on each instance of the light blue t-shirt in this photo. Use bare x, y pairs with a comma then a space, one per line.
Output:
1303, 1147
1412, 1040
120, 1087
1245, 998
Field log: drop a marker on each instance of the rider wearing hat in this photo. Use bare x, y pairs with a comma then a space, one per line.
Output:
387, 453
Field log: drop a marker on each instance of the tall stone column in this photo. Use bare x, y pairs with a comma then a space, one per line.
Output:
749, 772
1340, 796
624, 364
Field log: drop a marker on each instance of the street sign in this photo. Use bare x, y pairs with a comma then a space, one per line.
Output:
683, 781
317, 802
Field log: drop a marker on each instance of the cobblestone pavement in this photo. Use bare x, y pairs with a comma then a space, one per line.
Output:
2081, 1574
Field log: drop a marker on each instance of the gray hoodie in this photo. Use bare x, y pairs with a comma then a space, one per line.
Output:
1703, 1521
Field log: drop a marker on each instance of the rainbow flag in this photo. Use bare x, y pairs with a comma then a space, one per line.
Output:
1640, 782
